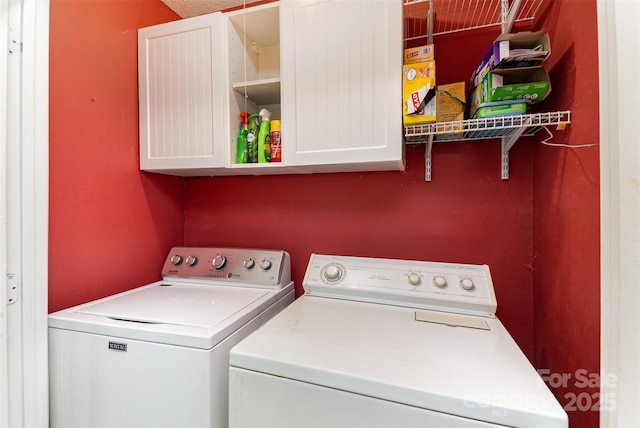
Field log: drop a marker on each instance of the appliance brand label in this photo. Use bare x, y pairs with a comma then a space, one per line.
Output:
118, 346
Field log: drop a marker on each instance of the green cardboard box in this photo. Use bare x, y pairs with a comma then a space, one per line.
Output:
507, 109
531, 84
501, 108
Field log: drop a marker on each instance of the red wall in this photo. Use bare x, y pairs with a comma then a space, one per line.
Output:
110, 226
567, 219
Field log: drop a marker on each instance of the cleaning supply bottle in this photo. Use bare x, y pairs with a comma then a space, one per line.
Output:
252, 139
264, 137
242, 155
276, 141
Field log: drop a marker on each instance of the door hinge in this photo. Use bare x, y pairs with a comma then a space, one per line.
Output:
13, 284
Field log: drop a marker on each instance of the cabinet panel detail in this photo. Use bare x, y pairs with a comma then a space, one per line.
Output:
341, 81
178, 94
181, 90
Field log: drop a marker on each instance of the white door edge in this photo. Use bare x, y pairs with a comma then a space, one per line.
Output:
619, 66
24, 96
4, 386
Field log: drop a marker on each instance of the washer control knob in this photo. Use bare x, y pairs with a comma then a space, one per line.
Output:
467, 284
332, 273
219, 262
265, 264
248, 263
191, 260
439, 281
414, 279
176, 259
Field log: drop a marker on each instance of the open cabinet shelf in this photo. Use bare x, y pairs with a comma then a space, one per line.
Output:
264, 91
424, 19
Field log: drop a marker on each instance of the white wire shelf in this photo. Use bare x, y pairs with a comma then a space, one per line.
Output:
424, 19
451, 16
491, 127
508, 128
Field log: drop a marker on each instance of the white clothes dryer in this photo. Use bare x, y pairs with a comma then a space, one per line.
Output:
388, 343
158, 355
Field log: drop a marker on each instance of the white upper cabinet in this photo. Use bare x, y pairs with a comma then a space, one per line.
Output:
181, 91
342, 84
329, 70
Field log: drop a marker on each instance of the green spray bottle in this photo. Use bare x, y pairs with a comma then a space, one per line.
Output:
252, 138
243, 155
264, 136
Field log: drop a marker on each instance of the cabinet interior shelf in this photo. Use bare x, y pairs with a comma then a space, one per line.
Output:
507, 128
262, 92
257, 166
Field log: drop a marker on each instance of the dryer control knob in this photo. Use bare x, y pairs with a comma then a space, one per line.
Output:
191, 260
439, 281
176, 259
219, 262
467, 284
248, 263
414, 279
332, 273
265, 264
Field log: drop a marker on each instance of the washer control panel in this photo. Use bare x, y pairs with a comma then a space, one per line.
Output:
449, 287
229, 265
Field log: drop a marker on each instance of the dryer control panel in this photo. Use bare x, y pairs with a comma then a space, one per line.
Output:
260, 267
448, 287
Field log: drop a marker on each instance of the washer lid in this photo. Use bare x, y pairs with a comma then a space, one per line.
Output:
381, 351
175, 304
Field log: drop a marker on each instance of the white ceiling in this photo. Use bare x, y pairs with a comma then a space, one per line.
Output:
189, 8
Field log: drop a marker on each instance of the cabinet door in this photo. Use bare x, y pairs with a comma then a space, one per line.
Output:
341, 84
181, 83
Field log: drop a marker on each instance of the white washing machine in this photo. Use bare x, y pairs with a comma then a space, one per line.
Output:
158, 355
388, 343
